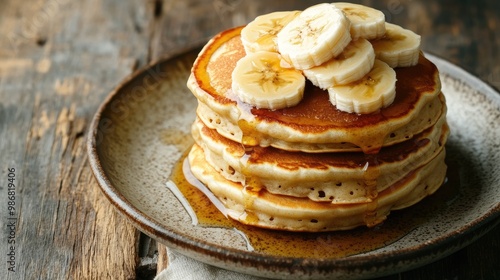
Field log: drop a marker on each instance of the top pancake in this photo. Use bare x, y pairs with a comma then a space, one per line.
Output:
314, 125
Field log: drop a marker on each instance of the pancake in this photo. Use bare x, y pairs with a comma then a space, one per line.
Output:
264, 209
339, 178
314, 125
310, 166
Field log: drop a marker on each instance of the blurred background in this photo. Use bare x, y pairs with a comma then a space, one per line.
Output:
464, 32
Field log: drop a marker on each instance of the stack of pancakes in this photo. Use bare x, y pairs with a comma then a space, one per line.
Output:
312, 167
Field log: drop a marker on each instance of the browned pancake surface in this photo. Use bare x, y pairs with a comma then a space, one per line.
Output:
314, 113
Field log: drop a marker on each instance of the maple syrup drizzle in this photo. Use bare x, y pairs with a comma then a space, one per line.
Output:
186, 169
250, 137
371, 173
209, 213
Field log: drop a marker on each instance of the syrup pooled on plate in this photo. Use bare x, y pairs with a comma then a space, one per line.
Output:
336, 244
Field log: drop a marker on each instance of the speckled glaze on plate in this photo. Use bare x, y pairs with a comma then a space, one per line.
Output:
142, 129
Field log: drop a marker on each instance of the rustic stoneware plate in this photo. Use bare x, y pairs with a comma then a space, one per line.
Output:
142, 130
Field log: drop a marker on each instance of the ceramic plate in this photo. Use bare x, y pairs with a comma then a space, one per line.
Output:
142, 130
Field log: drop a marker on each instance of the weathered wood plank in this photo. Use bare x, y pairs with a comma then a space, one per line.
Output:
59, 59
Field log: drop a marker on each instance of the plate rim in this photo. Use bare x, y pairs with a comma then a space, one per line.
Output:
449, 243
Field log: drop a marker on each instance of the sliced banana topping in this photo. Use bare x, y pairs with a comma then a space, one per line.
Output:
399, 47
260, 34
351, 65
347, 49
366, 22
318, 34
259, 79
375, 90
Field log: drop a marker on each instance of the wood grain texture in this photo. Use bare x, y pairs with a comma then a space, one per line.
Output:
59, 59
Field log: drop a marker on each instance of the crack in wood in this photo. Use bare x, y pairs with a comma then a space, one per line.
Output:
158, 8
41, 41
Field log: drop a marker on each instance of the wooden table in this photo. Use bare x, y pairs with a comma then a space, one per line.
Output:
59, 59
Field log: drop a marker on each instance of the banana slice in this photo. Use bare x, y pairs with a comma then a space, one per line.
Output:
259, 79
375, 90
316, 35
366, 22
399, 47
260, 34
351, 65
